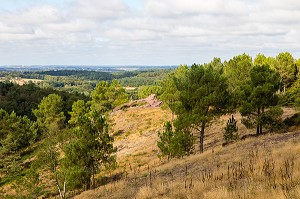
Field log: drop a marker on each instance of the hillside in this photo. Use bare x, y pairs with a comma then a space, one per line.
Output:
257, 167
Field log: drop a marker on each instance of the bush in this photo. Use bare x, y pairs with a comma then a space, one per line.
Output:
271, 119
293, 121
175, 144
145, 91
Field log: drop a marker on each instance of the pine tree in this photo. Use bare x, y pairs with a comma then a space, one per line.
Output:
260, 97
175, 143
231, 130
203, 96
90, 149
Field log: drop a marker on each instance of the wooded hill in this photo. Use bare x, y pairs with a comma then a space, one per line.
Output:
54, 142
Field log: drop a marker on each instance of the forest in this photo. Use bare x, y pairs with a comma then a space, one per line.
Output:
57, 136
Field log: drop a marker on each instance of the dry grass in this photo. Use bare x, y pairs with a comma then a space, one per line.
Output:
237, 171
263, 167
136, 135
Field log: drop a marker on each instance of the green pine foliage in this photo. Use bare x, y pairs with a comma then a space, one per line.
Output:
43, 130
16, 132
23, 99
50, 115
91, 148
260, 99
203, 96
231, 131
145, 91
107, 96
175, 143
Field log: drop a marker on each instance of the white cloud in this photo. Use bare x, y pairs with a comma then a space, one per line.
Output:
100, 10
34, 16
161, 32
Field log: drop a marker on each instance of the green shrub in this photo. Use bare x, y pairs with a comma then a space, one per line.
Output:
293, 121
175, 143
271, 119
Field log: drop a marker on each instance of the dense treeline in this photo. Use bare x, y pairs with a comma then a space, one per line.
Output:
150, 78
83, 81
23, 99
68, 137
81, 74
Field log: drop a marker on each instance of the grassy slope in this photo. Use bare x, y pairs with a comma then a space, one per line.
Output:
264, 167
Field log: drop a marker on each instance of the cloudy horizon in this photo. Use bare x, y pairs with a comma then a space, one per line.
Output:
144, 32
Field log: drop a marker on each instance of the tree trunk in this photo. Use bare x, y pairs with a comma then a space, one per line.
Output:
258, 125
93, 177
202, 138
262, 111
58, 188
88, 183
65, 182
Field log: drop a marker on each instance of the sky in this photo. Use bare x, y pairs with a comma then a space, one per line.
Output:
144, 32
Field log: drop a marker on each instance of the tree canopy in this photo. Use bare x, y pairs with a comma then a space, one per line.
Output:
91, 147
260, 94
287, 68
107, 95
202, 96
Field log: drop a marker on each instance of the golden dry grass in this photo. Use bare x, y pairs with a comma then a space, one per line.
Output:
136, 135
257, 167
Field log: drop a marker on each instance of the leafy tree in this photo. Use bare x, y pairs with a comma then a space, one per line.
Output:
90, 149
203, 95
260, 94
107, 95
50, 115
175, 144
287, 68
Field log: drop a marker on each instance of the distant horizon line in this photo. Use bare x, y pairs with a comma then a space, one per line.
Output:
106, 65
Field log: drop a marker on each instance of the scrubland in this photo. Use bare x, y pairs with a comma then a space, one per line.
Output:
267, 166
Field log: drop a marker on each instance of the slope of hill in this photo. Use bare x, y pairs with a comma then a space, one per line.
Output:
267, 166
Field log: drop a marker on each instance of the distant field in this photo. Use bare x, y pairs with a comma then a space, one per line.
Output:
22, 81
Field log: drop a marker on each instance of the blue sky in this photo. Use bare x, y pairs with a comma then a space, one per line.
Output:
144, 32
